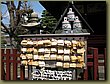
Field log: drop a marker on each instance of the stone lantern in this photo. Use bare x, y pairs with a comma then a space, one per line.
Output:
32, 24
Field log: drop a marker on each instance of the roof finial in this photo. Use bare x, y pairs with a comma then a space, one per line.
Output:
72, 2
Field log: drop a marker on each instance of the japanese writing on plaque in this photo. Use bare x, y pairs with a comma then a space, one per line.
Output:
38, 74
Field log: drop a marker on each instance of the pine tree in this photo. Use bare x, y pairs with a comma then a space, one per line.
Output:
48, 21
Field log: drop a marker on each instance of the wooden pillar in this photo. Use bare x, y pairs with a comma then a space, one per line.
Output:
2, 65
14, 64
105, 61
86, 74
22, 72
8, 64
95, 64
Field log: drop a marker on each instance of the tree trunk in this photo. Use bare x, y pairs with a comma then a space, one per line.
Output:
11, 42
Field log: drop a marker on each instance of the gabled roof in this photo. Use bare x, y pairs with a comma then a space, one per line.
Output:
84, 22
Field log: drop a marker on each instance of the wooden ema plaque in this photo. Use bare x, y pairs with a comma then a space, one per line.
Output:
60, 52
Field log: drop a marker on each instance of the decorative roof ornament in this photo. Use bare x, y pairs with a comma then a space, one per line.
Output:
77, 23
70, 15
74, 21
71, 23
65, 24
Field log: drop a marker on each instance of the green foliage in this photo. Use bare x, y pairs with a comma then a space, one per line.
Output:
3, 41
48, 20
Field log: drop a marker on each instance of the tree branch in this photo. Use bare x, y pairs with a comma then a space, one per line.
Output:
3, 31
8, 3
5, 28
18, 14
19, 4
12, 2
4, 3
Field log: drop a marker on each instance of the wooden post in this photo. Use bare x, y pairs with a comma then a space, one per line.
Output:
105, 60
2, 65
85, 74
14, 64
8, 64
95, 64
22, 72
